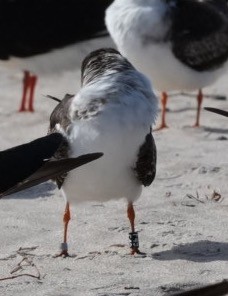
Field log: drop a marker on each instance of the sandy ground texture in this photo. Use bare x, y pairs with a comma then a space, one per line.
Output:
182, 218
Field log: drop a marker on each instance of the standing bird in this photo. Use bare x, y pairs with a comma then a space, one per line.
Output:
30, 164
29, 28
179, 44
113, 111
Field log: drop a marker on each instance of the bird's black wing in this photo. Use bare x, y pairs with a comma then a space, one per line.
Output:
51, 170
18, 163
199, 33
219, 289
218, 111
145, 167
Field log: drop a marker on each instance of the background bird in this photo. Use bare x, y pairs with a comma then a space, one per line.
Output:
33, 28
113, 111
29, 164
179, 44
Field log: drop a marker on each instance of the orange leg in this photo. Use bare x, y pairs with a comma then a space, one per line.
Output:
33, 80
66, 219
164, 100
133, 235
25, 90
199, 101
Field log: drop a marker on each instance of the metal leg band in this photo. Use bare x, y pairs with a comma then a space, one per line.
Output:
64, 247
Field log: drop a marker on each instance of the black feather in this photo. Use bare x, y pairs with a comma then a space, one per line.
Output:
146, 163
18, 163
199, 34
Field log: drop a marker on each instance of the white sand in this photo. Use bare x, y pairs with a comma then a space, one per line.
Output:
185, 241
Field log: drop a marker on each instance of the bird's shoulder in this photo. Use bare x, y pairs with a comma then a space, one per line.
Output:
60, 115
59, 121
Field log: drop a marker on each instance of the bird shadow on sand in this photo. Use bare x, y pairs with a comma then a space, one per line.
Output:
42, 190
181, 110
201, 251
216, 130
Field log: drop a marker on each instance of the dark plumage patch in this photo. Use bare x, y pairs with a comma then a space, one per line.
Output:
100, 61
91, 110
146, 163
199, 33
60, 115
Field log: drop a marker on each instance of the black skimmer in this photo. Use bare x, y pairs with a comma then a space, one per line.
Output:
30, 164
113, 111
218, 289
218, 111
179, 44
30, 28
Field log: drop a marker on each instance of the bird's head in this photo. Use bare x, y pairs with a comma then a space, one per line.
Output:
101, 62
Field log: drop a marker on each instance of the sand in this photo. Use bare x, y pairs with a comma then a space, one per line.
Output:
182, 225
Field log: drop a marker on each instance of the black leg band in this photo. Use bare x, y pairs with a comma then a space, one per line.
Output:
134, 240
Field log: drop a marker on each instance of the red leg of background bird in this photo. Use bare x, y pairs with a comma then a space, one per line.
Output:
199, 103
25, 90
33, 80
133, 234
66, 219
164, 100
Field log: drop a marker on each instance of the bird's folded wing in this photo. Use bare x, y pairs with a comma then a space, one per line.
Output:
198, 42
50, 170
219, 289
218, 111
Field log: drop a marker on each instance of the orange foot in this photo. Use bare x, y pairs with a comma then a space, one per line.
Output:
22, 109
136, 251
63, 254
196, 125
161, 127
64, 251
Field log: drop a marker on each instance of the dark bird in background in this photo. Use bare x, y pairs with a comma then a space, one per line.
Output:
29, 28
218, 111
219, 289
30, 164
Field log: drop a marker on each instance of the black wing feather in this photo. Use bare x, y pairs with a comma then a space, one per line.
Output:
199, 34
51, 170
17, 163
146, 163
219, 289
218, 111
